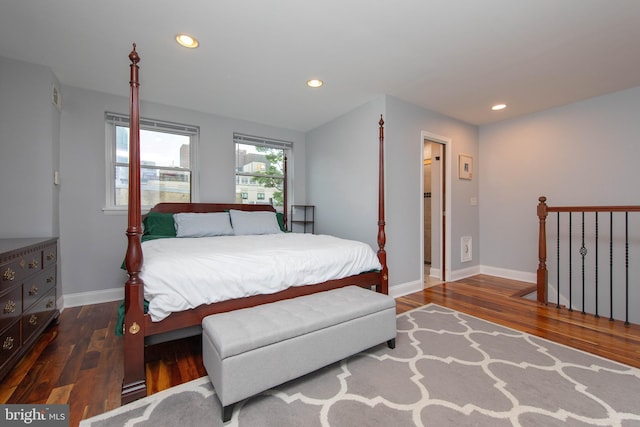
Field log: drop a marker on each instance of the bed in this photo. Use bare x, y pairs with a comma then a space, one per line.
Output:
142, 322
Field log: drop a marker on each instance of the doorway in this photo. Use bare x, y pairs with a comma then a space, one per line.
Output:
434, 203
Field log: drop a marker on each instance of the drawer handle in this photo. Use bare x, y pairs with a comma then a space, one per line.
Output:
10, 307
51, 256
9, 274
33, 291
49, 279
33, 320
50, 303
8, 344
34, 264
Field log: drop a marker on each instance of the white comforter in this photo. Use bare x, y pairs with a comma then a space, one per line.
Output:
183, 273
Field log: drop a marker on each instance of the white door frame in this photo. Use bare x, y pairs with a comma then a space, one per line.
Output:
445, 270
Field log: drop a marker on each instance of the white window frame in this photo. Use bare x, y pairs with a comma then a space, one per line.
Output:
287, 146
114, 119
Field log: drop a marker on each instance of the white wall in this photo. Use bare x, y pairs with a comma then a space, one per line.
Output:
342, 168
29, 151
93, 242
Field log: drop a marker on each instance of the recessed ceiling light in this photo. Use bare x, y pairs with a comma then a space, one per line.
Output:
187, 41
498, 107
314, 83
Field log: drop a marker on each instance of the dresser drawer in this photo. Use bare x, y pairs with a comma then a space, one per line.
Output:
9, 342
28, 271
38, 315
10, 306
35, 287
49, 255
14, 271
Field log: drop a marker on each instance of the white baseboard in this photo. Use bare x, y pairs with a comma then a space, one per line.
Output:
117, 294
522, 276
94, 297
405, 288
465, 272
416, 286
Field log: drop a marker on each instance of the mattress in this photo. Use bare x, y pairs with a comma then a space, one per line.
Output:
183, 273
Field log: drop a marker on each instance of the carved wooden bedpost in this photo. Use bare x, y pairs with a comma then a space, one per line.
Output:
542, 274
382, 238
134, 383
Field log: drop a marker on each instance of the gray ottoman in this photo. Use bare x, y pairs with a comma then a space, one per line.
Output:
252, 350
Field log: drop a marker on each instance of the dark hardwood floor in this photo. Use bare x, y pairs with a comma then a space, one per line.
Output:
79, 361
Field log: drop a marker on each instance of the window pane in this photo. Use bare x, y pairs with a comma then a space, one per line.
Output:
156, 185
156, 148
164, 149
163, 155
266, 167
259, 160
261, 190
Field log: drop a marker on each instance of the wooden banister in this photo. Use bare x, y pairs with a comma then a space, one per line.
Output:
543, 210
542, 274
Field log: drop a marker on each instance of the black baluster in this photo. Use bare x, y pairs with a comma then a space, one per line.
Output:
570, 262
610, 265
597, 315
583, 253
626, 267
558, 261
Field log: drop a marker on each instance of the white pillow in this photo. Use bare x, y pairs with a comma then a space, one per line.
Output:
254, 222
202, 224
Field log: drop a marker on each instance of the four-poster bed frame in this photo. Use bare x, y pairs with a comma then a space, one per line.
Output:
138, 325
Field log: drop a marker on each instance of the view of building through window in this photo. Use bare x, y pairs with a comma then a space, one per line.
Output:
165, 169
260, 174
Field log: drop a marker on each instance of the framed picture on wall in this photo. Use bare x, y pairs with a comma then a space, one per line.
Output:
465, 166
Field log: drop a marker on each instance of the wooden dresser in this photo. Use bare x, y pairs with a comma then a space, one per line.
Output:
28, 271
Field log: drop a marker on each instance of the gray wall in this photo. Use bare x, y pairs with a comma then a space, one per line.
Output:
342, 168
405, 123
342, 174
29, 151
581, 154
93, 242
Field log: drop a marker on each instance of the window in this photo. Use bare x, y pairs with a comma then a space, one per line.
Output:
166, 162
260, 169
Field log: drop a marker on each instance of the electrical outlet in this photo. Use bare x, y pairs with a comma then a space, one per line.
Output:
56, 98
465, 249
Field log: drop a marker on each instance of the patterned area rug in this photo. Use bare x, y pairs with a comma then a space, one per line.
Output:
448, 369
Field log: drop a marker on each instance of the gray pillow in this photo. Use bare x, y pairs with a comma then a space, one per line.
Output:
202, 224
254, 222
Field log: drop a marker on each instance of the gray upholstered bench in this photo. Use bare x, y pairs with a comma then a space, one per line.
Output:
252, 350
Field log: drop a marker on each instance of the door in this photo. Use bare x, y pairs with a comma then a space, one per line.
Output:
434, 202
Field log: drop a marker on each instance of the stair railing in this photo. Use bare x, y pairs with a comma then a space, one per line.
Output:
620, 238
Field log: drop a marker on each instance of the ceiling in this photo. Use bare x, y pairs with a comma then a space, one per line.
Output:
455, 57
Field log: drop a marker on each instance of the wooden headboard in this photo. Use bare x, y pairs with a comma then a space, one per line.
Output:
208, 207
